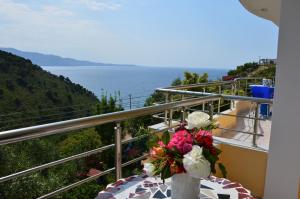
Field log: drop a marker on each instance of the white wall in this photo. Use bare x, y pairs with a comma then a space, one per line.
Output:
284, 156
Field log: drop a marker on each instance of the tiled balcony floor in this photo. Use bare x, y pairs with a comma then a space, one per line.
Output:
247, 125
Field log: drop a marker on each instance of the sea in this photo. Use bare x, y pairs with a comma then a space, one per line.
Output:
135, 82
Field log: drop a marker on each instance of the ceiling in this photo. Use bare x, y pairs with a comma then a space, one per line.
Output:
267, 9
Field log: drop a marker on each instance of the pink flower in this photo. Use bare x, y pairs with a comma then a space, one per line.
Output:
182, 140
186, 148
161, 144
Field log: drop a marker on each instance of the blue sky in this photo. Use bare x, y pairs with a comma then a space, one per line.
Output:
187, 33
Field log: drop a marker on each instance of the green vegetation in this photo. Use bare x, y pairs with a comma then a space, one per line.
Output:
254, 70
244, 70
266, 72
31, 96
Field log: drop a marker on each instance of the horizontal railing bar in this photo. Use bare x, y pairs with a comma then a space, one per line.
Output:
64, 160
135, 138
225, 105
230, 115
135, 160
54, 163
247, 78
200, 85
163, 118
76, 184
240, 116
239, 131
213, 83
27, 133
166, 129
227, 97
192, 109
159, 117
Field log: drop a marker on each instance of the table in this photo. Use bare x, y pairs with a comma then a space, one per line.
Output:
145, 187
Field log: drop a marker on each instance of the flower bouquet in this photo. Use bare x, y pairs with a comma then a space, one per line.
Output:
186, 156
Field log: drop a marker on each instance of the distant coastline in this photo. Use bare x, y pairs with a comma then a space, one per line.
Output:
55, 60
48, 60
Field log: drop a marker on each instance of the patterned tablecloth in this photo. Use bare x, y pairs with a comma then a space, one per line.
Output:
144, 187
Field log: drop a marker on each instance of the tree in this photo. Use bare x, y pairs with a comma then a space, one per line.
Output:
194, 78
79, 142
176, 82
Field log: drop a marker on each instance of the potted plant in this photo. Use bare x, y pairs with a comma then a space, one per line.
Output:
186, 156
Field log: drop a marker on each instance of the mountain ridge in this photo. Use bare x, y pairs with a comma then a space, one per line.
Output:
56, 60
36, 94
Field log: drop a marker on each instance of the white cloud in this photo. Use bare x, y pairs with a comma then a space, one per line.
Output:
98, 4
51, 29
19, 13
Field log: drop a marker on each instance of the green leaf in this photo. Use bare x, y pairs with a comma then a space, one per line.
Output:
153, 140
211, 158
218, 150
223, 169
165, 173
165, 137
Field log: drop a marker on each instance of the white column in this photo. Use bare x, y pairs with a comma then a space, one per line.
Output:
284, 155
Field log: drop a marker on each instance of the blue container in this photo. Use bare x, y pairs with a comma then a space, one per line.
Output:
263, 92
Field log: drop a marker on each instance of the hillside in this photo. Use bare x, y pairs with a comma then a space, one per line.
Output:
254, 70
29, 95
54, 60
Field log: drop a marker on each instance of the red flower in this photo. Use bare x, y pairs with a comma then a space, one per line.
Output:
205, 139
182, 140
213, 150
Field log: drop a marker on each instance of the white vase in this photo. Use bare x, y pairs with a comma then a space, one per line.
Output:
184, 186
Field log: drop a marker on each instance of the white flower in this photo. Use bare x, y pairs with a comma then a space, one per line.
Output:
198, 119
149, 168
195, 163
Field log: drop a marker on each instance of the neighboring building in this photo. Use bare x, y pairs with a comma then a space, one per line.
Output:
267, 61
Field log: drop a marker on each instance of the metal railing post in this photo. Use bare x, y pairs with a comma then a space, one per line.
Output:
182, 111
246, 88
232, 93
182, 114
255, 127
203, 105
166, 111
118, 151
219, 101
211, 110
239, 87
170, 113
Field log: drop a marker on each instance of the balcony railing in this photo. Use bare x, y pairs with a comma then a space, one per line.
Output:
18, 135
